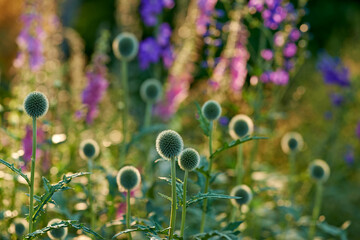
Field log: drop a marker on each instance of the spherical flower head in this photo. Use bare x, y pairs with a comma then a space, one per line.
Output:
125, 46
89, 149
19, 226
128, 178
151, 90
36, 104
319, 170
169, 144
292, 142
240, 126
211, 110
242, 191
59, 233
189, 159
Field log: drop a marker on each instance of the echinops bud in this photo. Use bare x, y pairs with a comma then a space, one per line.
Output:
169, 144
242, 191
319, 170
89, 149
36, 104
125, 46
128, 178
211, 110
292, 142
189, 159
151, 90
59, 233
240, 126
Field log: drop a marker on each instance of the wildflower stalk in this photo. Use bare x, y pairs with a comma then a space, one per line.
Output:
124, 79
173, 202
90, 195
128, 211
183, 217
292, 157
206, 190
148, 110
32, 178
239, 165
316, 209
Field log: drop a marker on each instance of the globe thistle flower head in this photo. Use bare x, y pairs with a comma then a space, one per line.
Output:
319, 170
19, 226
211, 110
59, 233
169, 144
151, 90
89, 149
292, 142
189, 159
128, 178
242, 191
36, 104
125, 46
240, 126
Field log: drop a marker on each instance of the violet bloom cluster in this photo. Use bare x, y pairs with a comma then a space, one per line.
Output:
238, 65
30, 41
151, 9
97, 85
152, 50
357, 131
206, 9
278, 77
333, 70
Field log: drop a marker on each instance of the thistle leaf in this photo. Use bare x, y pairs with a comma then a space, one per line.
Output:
202, 196
15, 170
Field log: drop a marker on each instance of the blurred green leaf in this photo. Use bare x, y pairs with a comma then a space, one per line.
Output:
204, 124
150, 231
15, 170
202, 196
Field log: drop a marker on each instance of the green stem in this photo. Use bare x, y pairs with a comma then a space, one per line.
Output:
32, 178
13, 197
292, 156
173, 202
128, 211
148, 114
124, 80
183, 217
90, 195
316, 210
239, 165
208, 177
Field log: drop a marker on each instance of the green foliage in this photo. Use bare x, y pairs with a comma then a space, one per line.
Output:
15, 170
63, 224
204, 123
153, 231
229, 233
202, 196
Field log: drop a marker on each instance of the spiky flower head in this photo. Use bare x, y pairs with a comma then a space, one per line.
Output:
189, 159
36, 104
19, 226
128, 178
240, 126
211, 110
59, 233
89, 149
292, 142
242, 191
125, 46
169, 144
319, 170
151, 90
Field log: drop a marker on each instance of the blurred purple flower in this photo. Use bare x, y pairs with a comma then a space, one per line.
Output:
206, 9
274, 14
257, 4
149, 11
164, 34
288, 65
333, 70
289, 50
336, 99
219, 72
149, 52
265, 77
279, 77
358, 130
224, 121
238, 68
294, 35
267, 54
168, 3
97, 85
167, 55
27, 144
349, 156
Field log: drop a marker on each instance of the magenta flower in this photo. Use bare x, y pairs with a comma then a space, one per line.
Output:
257, 4
289, 50
267, 54
238, 69
358, 130
279, 77
27, 144
206, 9
294, 35
219, 73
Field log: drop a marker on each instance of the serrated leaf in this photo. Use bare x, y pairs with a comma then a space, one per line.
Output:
204, 123
202, 196
179, 188
141, 228
228, 235
15, 170
232, 226
165, 196
235, 143
65, 223
47, 196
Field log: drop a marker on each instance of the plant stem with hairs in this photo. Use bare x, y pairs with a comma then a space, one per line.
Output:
90, 195
148, 114
128, 211
174, 197
239, 165
183, 217
124, 81
32, 177
316, 210
208, 177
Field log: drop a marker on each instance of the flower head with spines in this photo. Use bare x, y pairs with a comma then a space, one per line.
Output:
128, 178
169, 144
189, 159
36, 104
